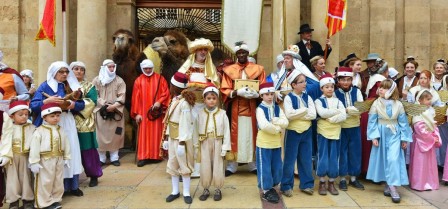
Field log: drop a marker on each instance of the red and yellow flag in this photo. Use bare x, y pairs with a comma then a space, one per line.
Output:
336, 16
48, 23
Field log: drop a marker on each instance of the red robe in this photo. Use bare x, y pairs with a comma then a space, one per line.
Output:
150, 132
240, 106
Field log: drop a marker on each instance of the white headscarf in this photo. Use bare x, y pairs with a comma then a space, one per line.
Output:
27, 72
79, 64
71, 78
298, 65
147, 63
105, 75
2, 65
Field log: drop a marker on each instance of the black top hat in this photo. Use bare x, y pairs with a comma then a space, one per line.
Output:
305, 28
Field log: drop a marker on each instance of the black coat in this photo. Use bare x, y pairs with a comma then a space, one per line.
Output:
316, 49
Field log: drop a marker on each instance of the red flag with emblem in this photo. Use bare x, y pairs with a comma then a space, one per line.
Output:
48, 23
336, 16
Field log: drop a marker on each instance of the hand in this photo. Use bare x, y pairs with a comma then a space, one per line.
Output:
111, 108
53, 99
138, 119
243, 92
404, 145
32, 90
181, 150
67, 163
375, 142
4, 161
156, 105
253, 94
223, 153
278, 129
353, 110
279, 96
71, 106
275, 120
328, 42
165, 145
35, 168
405, 94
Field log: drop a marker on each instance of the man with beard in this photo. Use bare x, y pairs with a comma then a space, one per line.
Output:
365, 74
199, 70
242, 109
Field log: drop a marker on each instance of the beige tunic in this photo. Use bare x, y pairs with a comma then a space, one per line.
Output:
49, 147
214, 136
110, 133
180, 128
15, 146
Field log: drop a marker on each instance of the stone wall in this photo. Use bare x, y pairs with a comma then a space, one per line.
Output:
393, 28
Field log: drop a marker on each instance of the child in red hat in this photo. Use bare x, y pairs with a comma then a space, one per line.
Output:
49, 153
271, 120
14, 155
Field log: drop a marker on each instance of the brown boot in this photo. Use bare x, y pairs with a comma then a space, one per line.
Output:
322, 188
332, 189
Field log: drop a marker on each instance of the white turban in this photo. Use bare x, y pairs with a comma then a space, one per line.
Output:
279, 58
147, 63
27, 72
71, 78
105, 75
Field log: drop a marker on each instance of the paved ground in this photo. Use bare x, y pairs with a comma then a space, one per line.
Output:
128, 186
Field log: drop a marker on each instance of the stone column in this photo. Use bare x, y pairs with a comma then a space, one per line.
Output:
9, 28
417, 31
278, 30
92, 35
318, 14
47, 52
438, 39
292, 21
382, 29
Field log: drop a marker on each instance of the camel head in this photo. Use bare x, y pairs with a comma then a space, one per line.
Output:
172, 42
124, 42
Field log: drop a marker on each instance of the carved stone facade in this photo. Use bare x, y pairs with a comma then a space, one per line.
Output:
393, 28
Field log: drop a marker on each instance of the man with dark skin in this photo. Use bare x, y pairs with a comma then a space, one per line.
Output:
242, 108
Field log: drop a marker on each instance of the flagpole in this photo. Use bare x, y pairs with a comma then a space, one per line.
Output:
64, 33
326, 47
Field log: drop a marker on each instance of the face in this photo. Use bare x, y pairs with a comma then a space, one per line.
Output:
409, 69
211, 100
357, 66
61, 75
382, 92
201, 54
345, 82
20, 117
370, 63
279, 64
79, 72
288, 61
423, 80
306, 35
26, 79
386, 73
439, 69
111, 67
300, 85
241, 55
268, 97
148, 70
426, 101
320, 65
53, 118
328, 89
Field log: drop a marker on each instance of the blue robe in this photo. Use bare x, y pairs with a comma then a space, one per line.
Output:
387, 161
37, 101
